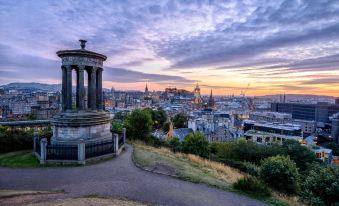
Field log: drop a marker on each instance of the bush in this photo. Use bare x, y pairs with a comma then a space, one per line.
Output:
15, 139
321, 186
253, 186
117, 127
175, 144
155, 141
281, 173
251, 169
244, 151
195, 144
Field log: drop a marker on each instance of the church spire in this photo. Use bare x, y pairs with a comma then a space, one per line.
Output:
211, 100
146, 89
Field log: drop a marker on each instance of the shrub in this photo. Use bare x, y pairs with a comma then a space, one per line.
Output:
15, 139
253, 186
251, 169
117, 127
244, 151
155, 141
175, 144
321, 186
281, 173
195, 143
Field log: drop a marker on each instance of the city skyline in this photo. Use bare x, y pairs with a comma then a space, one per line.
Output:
272, 47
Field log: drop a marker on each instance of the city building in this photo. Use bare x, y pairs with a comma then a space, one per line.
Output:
319, 112
267, 133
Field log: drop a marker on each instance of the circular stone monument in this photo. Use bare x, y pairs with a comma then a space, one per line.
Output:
88, 122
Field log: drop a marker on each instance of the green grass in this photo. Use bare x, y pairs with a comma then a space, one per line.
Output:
20, 159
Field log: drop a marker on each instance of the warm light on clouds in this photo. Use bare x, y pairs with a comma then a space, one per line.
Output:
273, 46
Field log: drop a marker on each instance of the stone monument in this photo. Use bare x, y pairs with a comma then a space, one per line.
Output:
79, 121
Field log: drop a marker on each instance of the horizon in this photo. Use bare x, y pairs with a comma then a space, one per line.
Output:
270, 47
206, 94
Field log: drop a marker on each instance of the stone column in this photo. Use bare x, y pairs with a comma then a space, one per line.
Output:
80, 88
69, 88
99, 102
43, 151
64, 88
92, 89
81, 152
116, 143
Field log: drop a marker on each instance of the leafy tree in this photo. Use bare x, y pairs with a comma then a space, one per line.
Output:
321, 186
180, 120
195, 143
175, 144
138, 124
301, 155
333, 146
159, 117
281, 173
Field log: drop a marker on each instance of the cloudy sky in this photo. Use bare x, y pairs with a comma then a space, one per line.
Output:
272, 46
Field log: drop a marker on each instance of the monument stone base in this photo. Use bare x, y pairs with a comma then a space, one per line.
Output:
71, 127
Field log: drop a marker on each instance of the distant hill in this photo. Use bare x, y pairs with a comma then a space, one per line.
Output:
32, 86
302, 98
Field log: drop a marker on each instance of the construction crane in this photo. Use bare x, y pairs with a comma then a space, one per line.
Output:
243, 92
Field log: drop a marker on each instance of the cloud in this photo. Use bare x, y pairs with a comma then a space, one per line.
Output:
160, 40
128, 76
333, 80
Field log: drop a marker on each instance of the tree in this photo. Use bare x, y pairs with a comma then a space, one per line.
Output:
180, 120
195, 143
138, 124
281, 173
333, 146
321, 186
301, 155
159, 117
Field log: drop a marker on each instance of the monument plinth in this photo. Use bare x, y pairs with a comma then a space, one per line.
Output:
87, 122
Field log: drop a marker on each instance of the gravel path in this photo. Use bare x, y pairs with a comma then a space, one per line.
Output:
119, 178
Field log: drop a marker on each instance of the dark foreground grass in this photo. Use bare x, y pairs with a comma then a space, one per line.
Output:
20, 159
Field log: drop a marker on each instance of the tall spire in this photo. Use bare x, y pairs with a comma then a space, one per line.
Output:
146, 88
211, 100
